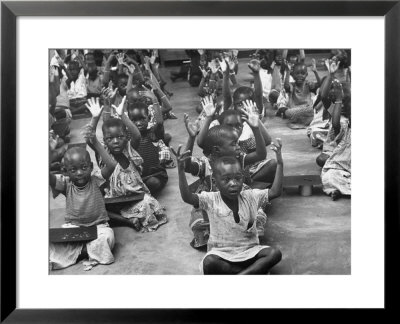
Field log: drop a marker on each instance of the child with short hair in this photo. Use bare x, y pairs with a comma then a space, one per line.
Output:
121, 139
299, 106
233, 247
85, 207
221, 140
153, 172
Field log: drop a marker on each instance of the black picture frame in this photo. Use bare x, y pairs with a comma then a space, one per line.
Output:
9, 13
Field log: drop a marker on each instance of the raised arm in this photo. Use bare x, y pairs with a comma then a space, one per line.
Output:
107, 69
253, 121
276, 188
226, 91
109, 163
132, 129
336, 112
187, 196
255, 67
286, 84
314, 69
209, 109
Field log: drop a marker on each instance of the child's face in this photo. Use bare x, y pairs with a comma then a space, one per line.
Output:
139, 117
230, 147
234, 121
278, 59
300, 73
122, 84
74, 71
229, 179
79, 169
115, 138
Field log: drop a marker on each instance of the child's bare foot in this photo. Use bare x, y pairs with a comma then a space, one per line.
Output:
335, 195
136, 224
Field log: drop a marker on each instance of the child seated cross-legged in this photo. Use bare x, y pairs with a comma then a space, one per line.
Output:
299, 106
233, 246
145, 215
84, 207
221, 140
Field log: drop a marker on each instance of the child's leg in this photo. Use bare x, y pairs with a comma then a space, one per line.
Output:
99, 250
266, 173
264, 261
213, 264
154, 184
321, 159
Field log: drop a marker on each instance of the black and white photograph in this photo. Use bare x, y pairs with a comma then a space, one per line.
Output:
200, 161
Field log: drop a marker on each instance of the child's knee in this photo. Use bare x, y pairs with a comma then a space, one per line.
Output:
153, 184
321, 159
210, 263
276, 254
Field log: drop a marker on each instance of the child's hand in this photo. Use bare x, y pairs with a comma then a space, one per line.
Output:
120, 58
153, 58
53, 73
223, 65
254, 65
181, 158
192, 128
249, 116
149, 94
131, 68
120, 108
204, 72
146, 64
337, 90
53, 141
313, 65
332, 65
277, 148
200, 51
213, 67
94, 107
208, 106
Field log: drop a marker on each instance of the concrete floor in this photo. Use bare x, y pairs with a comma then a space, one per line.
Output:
313, 232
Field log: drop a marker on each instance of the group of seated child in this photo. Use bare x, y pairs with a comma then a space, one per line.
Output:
236, 179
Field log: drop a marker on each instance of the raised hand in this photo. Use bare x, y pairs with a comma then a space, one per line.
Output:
337, 90
313, 65
94, 107
120, 108
223, 65
201, 52
131, 68
120, 58
213, 67
181, 158
53, 140
203, 71
146, 60
149, 94
332, 65
277, 148
53, 72
254, 65
249, 116
153, 58
249, 106
208, 106
192, 128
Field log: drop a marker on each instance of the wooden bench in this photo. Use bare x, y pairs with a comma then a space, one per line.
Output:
304, 182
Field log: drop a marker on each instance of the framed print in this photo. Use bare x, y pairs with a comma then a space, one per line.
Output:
344, 245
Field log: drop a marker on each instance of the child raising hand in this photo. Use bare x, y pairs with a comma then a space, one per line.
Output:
233, 246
